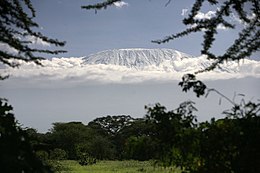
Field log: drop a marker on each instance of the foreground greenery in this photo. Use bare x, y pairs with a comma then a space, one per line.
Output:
116, 167
172, 138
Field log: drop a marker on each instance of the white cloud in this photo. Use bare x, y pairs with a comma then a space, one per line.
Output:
6, 48
73, 71
184, 11
120, 4
201, 16
221, 27
233, 17
207, 15
236, 19
37, 41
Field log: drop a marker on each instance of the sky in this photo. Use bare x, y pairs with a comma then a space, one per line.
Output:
65, 91
129, 24
39, 107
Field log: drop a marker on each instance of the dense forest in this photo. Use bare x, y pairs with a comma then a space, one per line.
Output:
167, 137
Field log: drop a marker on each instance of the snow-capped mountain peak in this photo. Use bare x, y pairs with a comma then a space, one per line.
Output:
136, 58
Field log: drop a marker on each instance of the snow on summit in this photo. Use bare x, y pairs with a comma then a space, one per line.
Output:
130, 66
136, 58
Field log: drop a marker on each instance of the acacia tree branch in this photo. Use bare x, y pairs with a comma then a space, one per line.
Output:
247, 42
101, 5
16, 25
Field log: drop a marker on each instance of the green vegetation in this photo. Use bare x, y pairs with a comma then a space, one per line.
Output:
170, 138
117, 167
16, 151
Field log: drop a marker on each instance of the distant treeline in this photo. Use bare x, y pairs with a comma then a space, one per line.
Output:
169, 137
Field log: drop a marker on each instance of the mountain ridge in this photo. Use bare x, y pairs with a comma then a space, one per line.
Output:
170, 60
136, 58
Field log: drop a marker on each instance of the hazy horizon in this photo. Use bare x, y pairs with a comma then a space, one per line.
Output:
40, 107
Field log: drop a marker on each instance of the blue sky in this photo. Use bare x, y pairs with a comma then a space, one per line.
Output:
132, 25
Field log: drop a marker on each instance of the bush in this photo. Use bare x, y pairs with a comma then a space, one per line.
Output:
85, 159
43, 155
58, 154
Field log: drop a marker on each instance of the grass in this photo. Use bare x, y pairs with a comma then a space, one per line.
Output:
116, 167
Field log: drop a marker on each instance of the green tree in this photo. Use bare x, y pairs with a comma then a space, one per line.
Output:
16, 152
58, 154
17, 28
111, 125
171, 131
140, 148
67, 136
231, 144
98, 147
137, 140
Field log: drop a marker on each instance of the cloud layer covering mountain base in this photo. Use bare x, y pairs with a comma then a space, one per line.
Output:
127, 66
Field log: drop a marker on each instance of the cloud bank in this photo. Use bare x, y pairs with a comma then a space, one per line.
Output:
74, 71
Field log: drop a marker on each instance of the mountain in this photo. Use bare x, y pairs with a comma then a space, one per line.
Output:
136, 58
153, 59
131, 65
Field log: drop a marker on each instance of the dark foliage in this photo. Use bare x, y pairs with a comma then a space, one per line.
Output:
16, 152
113, 128
170, 129
67, 136
101, 5
189, 81
231, 144
170, 137
79, 141
138, 142
85, 159
112, 124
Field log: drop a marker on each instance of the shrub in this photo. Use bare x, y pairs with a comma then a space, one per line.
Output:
58, 154
85, 159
